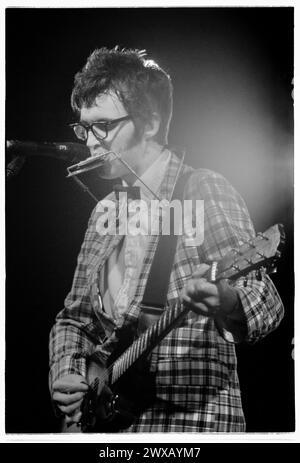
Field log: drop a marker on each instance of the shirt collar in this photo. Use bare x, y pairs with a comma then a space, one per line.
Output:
153, 176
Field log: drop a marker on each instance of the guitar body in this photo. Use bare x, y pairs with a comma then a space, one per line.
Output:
116, 405
119, 404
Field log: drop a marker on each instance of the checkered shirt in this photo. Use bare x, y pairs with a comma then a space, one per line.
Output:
195, 367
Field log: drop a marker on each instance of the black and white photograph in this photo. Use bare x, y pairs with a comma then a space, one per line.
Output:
149, 221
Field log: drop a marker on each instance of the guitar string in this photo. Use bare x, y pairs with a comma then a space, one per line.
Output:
123, 362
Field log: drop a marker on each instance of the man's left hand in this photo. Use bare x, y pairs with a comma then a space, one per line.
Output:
204, 298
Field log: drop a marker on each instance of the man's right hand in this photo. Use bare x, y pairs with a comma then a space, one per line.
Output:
68, 393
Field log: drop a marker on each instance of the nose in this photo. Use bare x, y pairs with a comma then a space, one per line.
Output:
93, 143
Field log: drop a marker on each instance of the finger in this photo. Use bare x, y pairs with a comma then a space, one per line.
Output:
75, 418
67, 399
201, 308
205, 287
194, 284
202, 292
201, 271
70, 409
212, 302
197, 307
190, 291
69, 387
200, 288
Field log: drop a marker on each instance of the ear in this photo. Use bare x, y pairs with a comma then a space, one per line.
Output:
152, 127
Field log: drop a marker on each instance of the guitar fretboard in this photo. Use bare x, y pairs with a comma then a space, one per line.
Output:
148, 340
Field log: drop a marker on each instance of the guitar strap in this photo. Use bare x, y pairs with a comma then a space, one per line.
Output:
155, 294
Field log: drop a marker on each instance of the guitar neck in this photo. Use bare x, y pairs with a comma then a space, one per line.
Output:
148, 340
263, 250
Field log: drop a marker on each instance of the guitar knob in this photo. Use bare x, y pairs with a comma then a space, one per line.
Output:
114, 401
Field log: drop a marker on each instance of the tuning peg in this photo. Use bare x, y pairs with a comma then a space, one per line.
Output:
236, 267
264, 237
245, 282
243, 242
272, 268
258, 275
263, 256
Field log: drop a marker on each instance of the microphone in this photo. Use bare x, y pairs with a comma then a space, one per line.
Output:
72, 152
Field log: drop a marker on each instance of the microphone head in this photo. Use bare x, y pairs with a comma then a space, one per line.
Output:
68, 151
79, 150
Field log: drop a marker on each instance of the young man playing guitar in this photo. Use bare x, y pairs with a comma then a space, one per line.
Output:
124, 104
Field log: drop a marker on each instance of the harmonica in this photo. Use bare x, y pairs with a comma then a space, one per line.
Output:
88, 164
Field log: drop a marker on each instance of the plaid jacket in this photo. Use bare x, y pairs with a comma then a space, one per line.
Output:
195, 367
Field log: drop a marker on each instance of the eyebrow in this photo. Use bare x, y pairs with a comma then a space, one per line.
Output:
82, 121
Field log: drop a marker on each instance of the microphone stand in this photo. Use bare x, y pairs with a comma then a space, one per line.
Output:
84, 188
14, 167
17, 162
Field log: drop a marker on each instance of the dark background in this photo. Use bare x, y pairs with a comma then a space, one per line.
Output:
232, 70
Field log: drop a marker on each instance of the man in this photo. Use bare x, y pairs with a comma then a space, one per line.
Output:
124, 103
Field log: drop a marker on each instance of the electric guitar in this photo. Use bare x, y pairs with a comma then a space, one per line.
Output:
131, 388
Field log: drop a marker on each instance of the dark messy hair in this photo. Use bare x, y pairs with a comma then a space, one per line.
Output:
142, 86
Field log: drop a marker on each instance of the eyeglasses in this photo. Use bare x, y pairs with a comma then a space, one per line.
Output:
99, 129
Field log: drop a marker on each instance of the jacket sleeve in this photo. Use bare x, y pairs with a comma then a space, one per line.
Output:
76, 331
227, 225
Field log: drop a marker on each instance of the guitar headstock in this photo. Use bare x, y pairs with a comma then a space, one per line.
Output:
262, 251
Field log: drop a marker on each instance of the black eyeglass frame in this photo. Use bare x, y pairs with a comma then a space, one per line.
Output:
105, 124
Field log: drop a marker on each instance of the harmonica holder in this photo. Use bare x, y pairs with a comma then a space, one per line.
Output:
85, 166
88, 164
